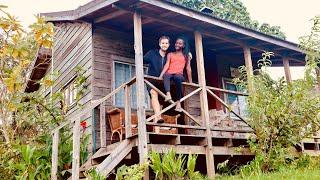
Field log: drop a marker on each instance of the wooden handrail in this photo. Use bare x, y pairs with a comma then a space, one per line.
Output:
77, 134
199, 127
225, 105
159, 79
227, 91
171, 101
197, 85
172, 105
95, 104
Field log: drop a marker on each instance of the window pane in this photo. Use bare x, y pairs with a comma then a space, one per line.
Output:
122, 74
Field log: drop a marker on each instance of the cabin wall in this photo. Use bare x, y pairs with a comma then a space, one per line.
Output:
224, 63
72, 49
108, 45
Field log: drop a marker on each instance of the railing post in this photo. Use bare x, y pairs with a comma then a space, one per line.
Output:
249, 68
142, 147
204, 103
127, 105
286, 66
103, 129
76, 150
55, 150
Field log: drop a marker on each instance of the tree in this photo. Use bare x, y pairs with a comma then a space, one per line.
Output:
283, 114
233, 11
26, 118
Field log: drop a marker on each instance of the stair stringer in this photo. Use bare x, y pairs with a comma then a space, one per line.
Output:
116, 156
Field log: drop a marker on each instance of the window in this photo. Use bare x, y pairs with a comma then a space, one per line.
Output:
123, 72
70, 93
238, 103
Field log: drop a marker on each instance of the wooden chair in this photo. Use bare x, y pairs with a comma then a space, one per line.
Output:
116, 118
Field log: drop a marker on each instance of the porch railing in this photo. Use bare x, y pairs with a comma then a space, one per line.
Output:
75, 122
77, 134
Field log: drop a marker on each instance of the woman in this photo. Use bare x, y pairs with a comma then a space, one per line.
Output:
174, 68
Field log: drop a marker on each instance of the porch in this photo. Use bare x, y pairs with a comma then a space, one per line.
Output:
207, 124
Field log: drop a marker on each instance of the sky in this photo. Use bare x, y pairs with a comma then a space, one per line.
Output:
292, 15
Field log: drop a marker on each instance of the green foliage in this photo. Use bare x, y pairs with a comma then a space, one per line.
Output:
134, 172
282, 113
92, 174
234, 11
171, 166
27, 118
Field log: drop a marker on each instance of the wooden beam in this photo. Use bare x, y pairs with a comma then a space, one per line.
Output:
222, 24
103, 125
188, 27
150, 20
118, 154
76, 150
249, 68
95, 103
286, 66
142, 147
55, 150
189, 149
204, 103
179, 149
109, 16
127, 106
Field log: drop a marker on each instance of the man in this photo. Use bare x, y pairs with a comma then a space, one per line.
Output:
156, 59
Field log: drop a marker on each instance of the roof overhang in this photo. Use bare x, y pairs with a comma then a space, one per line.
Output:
38, 69
185, 18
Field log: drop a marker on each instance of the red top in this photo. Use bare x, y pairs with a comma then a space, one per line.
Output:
177, 63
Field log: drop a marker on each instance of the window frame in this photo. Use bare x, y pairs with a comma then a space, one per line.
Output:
239, 107
129, 62
68, 86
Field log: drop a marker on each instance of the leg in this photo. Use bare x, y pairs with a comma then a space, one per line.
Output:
166, 81
155, 104
178, 79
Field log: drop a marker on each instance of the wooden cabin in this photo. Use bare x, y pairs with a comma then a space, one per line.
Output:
108, 38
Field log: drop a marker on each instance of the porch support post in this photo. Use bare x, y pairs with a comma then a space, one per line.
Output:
76, 149
204, 103
249, 68
286, 66
103, 126
142, 131
55, 150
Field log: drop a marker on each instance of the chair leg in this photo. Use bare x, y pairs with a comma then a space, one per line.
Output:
120, 135
111, 136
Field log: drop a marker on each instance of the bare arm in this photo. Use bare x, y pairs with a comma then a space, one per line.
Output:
189, 72
188, 68
166, 66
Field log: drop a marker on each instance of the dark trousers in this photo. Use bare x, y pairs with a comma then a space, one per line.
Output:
178, 79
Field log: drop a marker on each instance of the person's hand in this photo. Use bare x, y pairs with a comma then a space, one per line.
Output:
161, 77
189, 56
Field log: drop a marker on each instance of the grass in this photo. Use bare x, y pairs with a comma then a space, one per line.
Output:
306, 174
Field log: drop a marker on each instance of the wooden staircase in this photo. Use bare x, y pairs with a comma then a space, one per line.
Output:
107, 158
311, 146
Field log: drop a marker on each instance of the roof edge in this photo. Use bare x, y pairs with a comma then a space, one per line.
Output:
78, 13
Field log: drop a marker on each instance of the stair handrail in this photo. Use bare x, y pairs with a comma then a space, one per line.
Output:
95, 103
76, 134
